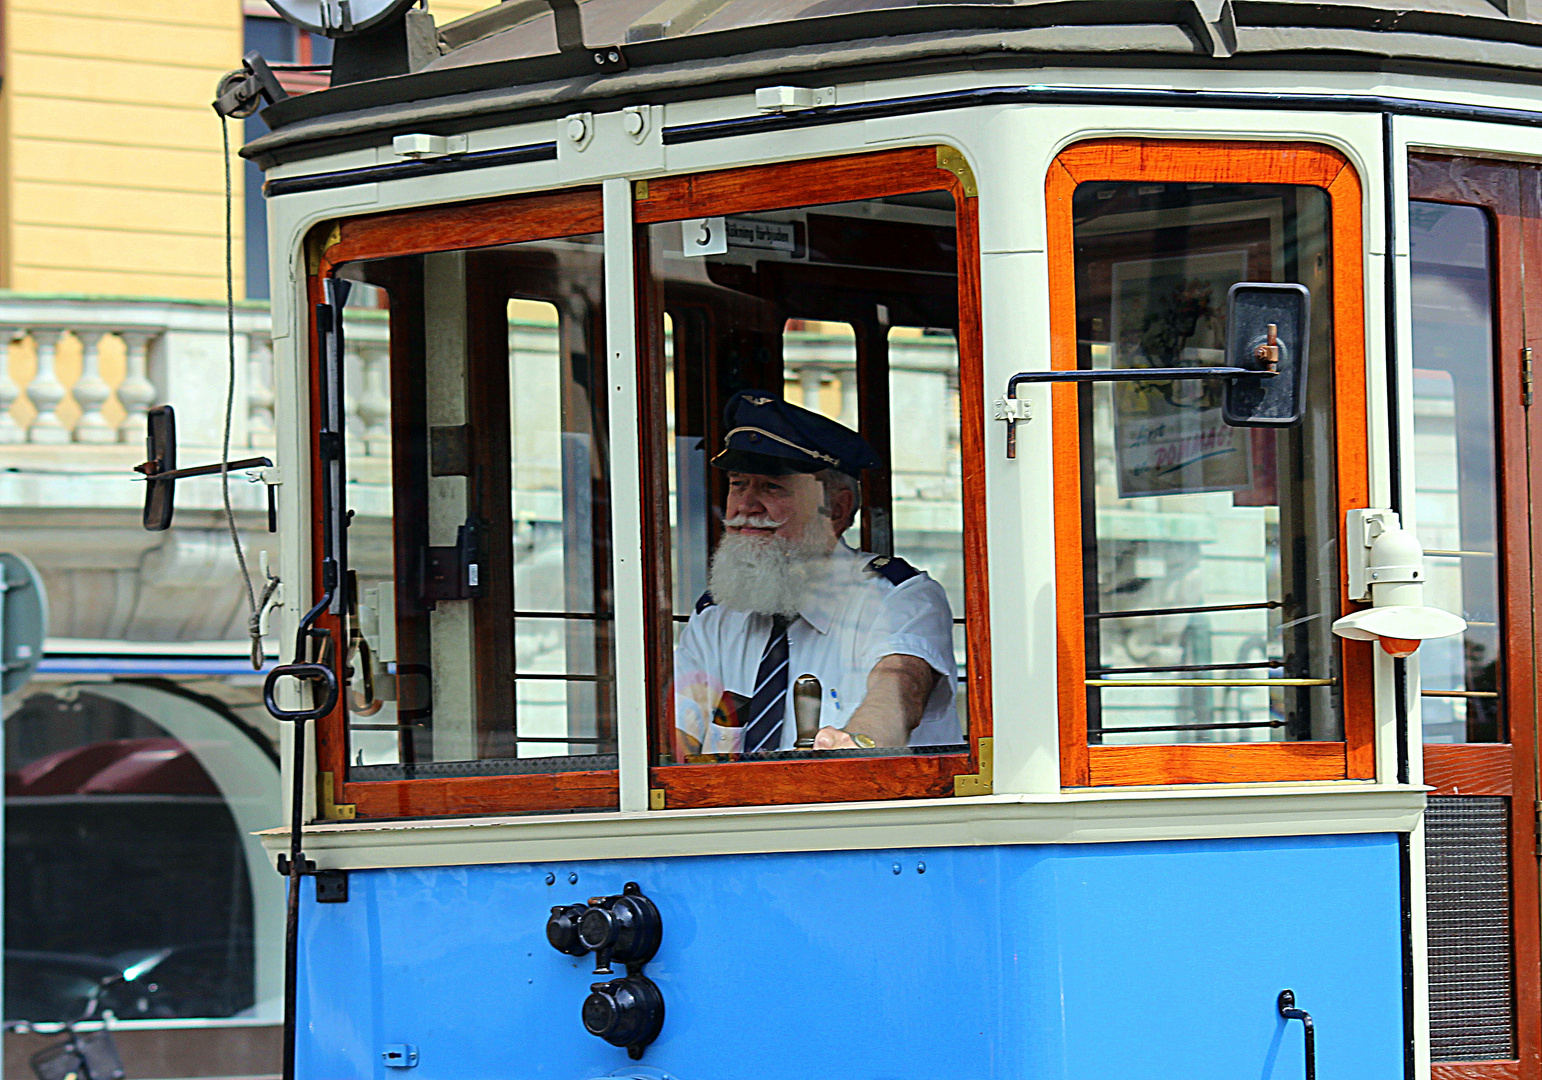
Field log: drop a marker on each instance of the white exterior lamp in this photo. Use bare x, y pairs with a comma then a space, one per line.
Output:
1386, 567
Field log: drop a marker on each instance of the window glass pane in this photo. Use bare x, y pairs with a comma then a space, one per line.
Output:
929, 467
1211, 574
484, 603
803, 342
1456, 468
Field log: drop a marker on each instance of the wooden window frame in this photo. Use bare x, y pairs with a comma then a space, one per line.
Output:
1510, 195
1214, 162
510, 220
785, 186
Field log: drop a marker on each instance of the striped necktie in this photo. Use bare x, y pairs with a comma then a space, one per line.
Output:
768, 705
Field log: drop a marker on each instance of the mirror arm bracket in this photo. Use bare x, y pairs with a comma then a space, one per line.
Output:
1013, 409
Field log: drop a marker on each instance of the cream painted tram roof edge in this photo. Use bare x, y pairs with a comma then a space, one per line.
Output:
515, 73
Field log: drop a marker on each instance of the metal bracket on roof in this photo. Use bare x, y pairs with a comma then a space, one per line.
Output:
570, 24
1215, 26
510, 13
570, 37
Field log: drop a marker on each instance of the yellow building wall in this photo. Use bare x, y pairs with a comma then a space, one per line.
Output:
113, 180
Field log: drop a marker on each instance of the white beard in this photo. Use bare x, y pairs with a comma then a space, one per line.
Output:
768, 575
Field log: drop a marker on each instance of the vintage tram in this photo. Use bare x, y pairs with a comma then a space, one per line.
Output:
1194, 341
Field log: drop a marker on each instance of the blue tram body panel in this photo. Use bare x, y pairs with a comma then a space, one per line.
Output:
1083, 962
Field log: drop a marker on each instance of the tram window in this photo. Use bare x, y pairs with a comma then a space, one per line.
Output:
827, 332
1455, 420
1209, 562
486, 635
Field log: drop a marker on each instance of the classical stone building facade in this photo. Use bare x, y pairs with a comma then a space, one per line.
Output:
140, 761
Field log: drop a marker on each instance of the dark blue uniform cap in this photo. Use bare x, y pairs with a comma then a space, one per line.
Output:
769, 437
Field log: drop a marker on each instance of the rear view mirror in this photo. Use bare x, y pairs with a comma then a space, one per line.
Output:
160, 457
1267, 327
161, 472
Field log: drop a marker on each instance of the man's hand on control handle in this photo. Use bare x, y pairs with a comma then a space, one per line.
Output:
897, 689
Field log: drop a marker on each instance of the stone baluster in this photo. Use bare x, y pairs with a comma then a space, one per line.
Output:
45, 391
259, 390
811, 377
375, 400
847, 377
10, 430
135, 393
91, 391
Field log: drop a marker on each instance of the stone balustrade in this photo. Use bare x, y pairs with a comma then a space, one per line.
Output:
86, 371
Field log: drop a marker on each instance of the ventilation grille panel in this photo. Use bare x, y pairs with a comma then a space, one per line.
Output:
1467, 875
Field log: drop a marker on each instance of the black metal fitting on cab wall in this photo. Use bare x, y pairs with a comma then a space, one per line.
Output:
1286, 1004
628, 1011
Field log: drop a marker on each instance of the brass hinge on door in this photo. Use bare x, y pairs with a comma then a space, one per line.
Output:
1526, 376
1536, 827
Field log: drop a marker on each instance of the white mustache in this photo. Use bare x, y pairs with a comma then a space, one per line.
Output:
753, 521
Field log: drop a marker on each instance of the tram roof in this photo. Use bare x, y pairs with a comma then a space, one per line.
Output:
504, 64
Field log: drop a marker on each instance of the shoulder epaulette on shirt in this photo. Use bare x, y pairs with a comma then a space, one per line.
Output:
892, 569
704, 602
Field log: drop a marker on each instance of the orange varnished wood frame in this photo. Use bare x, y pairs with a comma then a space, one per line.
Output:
1475, 1070
788, 185
574, 212
1511, 195
1153, 160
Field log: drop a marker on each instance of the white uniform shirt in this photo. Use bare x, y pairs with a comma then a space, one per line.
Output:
853, 619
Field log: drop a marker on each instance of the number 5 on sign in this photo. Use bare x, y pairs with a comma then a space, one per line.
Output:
704, 236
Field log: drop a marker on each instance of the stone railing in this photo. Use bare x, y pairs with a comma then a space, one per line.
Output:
77, 370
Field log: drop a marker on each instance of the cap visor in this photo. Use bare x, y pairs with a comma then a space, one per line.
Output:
761, 464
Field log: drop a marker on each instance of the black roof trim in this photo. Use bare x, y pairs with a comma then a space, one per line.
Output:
408, 170
1075, 95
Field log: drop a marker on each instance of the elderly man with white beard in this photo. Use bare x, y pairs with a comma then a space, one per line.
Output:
788, 597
